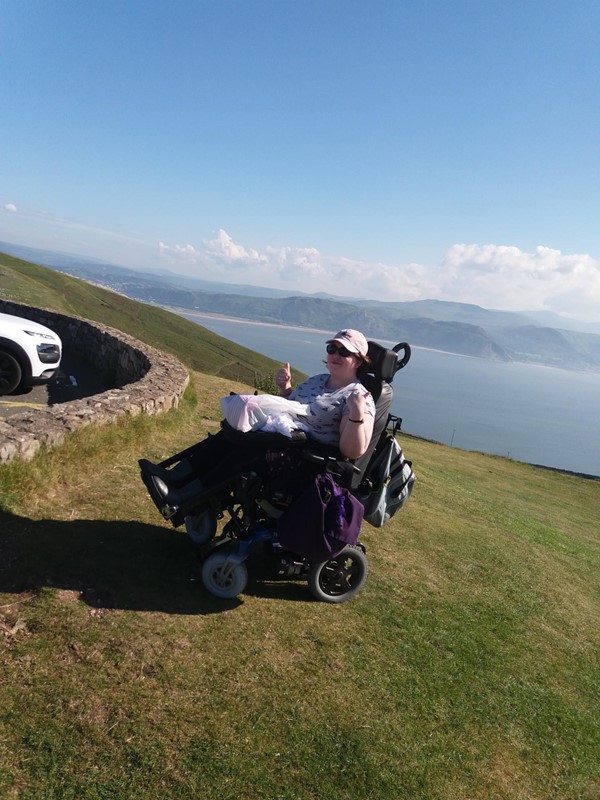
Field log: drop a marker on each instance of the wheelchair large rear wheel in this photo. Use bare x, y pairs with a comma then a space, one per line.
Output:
340, 578
222, 576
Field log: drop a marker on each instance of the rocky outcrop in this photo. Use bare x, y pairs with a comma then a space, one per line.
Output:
145, 381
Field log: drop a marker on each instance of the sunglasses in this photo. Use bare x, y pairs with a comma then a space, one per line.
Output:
332, 349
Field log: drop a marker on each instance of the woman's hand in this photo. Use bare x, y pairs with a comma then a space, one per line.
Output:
283, 379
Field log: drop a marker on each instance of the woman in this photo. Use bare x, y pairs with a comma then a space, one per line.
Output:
342, 411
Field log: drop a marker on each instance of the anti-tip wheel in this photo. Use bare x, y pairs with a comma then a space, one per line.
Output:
201, 528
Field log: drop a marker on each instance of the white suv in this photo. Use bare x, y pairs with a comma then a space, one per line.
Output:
29, 353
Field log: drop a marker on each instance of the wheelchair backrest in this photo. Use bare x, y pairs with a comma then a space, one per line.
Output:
384, 364
377, 377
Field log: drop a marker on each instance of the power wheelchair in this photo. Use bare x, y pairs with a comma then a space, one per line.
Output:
269, 475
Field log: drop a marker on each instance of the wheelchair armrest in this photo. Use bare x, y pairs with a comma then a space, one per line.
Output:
343, 469
263, 440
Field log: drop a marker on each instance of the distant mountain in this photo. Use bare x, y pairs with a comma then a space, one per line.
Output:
549, 346
444, 310
461, 328
552, 320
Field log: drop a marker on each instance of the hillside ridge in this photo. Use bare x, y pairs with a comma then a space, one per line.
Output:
461, 328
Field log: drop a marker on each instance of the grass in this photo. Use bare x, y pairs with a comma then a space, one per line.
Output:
467, 667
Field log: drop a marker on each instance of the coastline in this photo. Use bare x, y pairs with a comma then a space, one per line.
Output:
185, 312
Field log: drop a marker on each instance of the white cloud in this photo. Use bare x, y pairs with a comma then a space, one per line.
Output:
10, 207
493, 276
182, 252
224, 246
299, 269
498, 276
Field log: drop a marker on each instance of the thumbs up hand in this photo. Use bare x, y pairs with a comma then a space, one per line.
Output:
283, 379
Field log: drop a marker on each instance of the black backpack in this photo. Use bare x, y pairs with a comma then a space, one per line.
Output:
389, 478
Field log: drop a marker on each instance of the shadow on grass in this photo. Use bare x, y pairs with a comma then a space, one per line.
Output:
263, 584
115, 565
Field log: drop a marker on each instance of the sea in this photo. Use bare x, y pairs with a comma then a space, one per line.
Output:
536, 414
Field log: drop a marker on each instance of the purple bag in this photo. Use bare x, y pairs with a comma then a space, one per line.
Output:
322, 521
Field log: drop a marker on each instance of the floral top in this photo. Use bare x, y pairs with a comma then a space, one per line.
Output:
327, 406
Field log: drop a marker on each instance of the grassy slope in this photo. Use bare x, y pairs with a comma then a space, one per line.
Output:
197, 347
466, 668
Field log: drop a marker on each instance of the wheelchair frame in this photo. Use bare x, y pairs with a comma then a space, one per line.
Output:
252, 525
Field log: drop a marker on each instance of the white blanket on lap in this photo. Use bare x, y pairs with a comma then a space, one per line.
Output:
265, 412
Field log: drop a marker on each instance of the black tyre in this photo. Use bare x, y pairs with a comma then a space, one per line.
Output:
222, 577
201, 528
10, 373
340, 578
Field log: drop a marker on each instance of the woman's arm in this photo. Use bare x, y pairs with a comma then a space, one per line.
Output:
356, 427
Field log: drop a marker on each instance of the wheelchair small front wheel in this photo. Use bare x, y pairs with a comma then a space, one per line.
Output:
223, 577
340, 578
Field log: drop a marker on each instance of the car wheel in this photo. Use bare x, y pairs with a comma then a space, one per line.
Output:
340, 578
10, 372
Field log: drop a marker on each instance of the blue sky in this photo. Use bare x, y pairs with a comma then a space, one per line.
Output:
394, 150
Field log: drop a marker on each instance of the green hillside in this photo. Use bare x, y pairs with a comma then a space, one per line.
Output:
467, 668
198, 348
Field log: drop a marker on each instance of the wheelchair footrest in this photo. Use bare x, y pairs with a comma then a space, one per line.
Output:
171, 501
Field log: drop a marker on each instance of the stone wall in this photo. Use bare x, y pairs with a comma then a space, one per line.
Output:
145, 381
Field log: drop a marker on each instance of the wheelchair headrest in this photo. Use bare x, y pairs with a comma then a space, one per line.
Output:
385, 363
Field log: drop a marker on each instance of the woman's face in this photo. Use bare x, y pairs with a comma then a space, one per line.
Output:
342, 367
